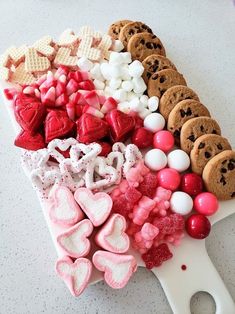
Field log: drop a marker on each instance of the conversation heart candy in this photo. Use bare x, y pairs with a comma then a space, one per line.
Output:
96, 206
74, 241
76, 274
63, 209
117, 268
112, 236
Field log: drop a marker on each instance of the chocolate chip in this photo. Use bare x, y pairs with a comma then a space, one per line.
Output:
162, 79
182, 113
202, 128
233, 194
188, 112
131, 32
222, 180
201, 145
155, 77
142, 41
148, 74
191, 138
219, 146
224, 162
149, 45
231, 166
207, 155
154, 36
177, 133
214, 132
223, 170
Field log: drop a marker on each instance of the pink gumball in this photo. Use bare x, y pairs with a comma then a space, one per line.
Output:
169, 179
206, 203
163, 140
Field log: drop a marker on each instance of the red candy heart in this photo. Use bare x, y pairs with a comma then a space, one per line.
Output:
142, 138
120, 124
30, 141
106, 148
57, 125
29, 112
90, 128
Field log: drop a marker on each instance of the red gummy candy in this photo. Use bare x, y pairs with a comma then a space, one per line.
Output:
30, 141
149, 185
29, 112
132, 195
90, 128
57, 125
169, 224
155, 256
121, 206
120, 124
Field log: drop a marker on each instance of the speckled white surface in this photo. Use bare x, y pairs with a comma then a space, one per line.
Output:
199, 37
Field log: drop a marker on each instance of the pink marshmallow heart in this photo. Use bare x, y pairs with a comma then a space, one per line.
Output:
74, 241
76, 275
63, 208
96, 206
117, 268
112, 236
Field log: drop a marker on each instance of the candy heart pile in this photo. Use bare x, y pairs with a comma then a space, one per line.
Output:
100, 118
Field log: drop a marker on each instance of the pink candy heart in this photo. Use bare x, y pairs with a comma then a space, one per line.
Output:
74, 241
63, 208
76, 275
96, 206
117, 268
112, 236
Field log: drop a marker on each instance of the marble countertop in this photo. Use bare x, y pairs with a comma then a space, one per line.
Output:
199, 37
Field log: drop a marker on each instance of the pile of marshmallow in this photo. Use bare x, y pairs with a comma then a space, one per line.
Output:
77, 218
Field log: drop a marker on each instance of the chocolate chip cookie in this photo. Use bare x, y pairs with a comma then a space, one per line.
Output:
205, 148
182, 112
131, 29
154, 63
143, 45
219, 175
160, 82
194, 128
115, 28
173, 96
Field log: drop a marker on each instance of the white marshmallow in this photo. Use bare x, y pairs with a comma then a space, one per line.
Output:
115, 83
127, 86
155, 159
181, 203
144, 113
136, 69
144, 99
130, 96
115, 58
153, 103
124, 106
108, 91
105, 71
154, 122
120, 95
139, 85
115, 71
96, 73
136, 105
178, 160
99, 84
126, 57
84, 64
125, 73
118, 46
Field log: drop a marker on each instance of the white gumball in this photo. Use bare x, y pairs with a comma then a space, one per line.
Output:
155, 159
178, 160
181, 203
154, 122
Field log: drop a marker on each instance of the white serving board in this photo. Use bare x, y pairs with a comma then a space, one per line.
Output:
179, 285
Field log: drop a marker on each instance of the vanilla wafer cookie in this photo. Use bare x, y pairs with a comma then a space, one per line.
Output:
85, 49
44, 46
17, 55
5, 74
64, 57
67, 39
104, 46
21, 76
35, 63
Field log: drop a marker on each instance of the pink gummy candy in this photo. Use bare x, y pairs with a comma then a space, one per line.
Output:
142, 210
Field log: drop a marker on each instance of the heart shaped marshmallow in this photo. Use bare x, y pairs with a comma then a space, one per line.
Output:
76, 275
63, 208
117, 268
96, 206
112, 236
74, 241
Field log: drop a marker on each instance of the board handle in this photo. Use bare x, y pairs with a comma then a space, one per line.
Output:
200, 275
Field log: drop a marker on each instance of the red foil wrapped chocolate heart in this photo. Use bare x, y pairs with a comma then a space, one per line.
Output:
27, 140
